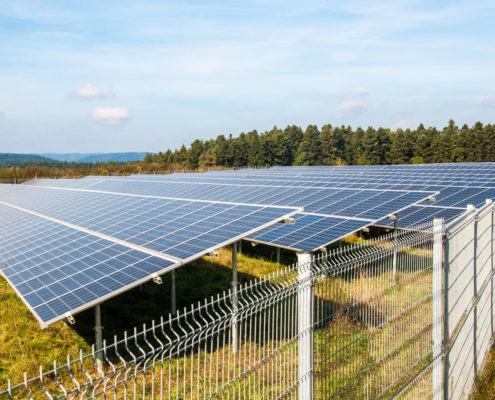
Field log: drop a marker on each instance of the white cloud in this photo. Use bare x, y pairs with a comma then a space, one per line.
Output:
110, 115
348, 107
407, 124
359, 90
89, 91
484, 101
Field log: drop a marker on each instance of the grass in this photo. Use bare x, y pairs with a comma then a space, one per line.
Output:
486, 382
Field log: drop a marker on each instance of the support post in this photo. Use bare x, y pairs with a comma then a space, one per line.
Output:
489, 201
278, 255
98, 337
173, 298
475, 295
305, 325
438, 231
235, 300
239, 250
395, 249
446, 333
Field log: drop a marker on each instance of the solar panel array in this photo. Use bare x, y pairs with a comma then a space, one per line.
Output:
65, 250
69, 244
57, 269
343, 210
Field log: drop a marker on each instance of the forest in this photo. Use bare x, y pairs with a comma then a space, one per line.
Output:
290, 146
336, 146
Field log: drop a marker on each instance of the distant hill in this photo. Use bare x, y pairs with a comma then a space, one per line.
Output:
95, 157
10, 159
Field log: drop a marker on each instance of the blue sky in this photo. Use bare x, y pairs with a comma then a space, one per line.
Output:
102, 76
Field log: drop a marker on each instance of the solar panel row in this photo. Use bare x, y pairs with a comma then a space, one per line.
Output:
370, 204
64, 250
57, 269
166, 220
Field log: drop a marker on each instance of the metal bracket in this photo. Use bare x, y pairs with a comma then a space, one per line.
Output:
431, 198
70, 319
156, 279
323, 249
288, 221
393, 217
212, 253
366, 230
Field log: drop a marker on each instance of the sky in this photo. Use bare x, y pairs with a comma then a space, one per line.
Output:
112, 76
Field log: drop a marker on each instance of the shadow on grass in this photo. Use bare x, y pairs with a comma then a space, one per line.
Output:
194, 282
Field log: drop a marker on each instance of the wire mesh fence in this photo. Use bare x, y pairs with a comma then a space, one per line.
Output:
364, 321
467, 300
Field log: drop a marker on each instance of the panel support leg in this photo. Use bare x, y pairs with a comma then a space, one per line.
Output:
394, 273
235, 300
98, 337
173, 298
278, 255
305, 325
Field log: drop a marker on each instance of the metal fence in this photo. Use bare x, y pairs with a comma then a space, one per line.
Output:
462, 307
365, 321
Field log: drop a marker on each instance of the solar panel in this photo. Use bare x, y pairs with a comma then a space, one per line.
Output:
350, 203
56, 269
178, 228
64, 250
309, 232
418, 215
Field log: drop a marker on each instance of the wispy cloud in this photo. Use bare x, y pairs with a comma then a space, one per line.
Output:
110, 115
486, 101
359, 90
89, 91
407, 124
350, 107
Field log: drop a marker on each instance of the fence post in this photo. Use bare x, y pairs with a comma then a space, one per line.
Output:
446, 333
489, 201
438, 231
235, 300
475, 294
305, 325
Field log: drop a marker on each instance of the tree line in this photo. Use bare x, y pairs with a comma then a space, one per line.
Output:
336, 146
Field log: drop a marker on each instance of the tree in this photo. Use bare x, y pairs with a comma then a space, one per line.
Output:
309, 150
194, 154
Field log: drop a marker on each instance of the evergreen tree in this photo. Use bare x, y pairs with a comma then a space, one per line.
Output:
309, 150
